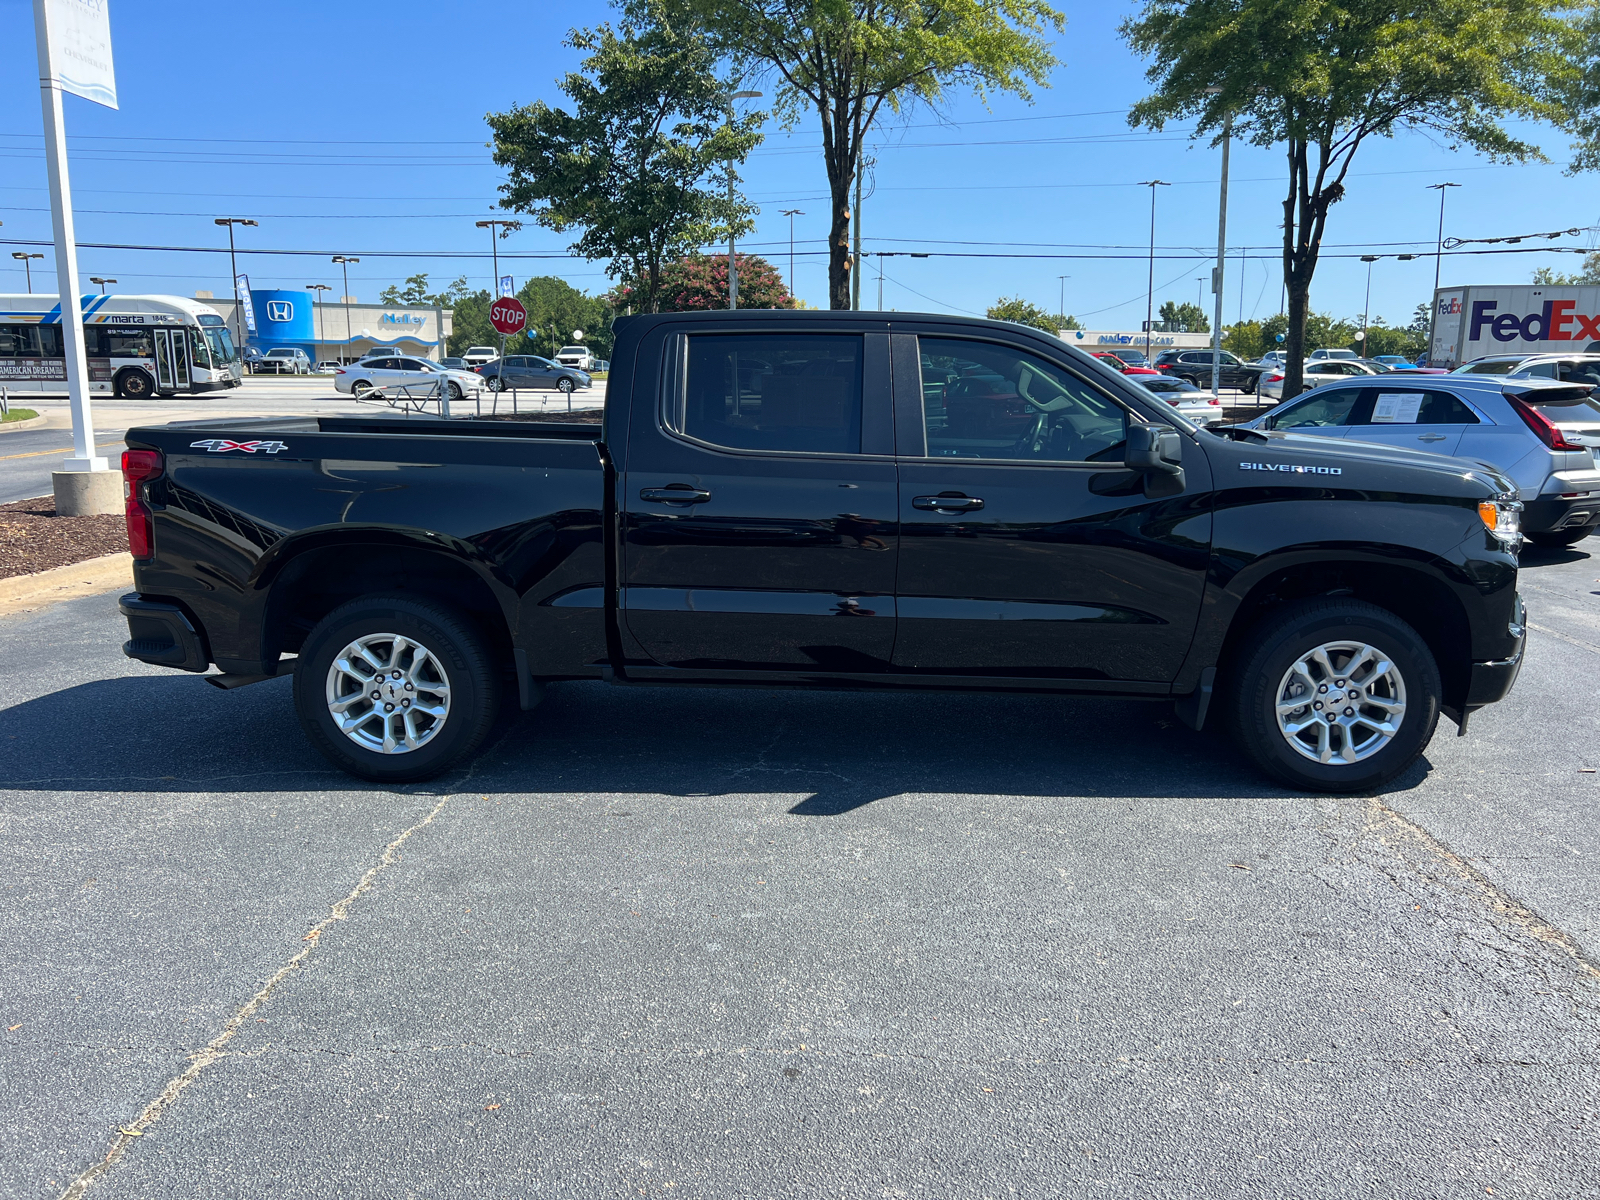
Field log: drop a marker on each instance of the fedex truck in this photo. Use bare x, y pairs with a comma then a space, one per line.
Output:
1471, 322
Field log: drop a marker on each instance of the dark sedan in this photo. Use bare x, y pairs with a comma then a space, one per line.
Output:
1195, 366
528, 371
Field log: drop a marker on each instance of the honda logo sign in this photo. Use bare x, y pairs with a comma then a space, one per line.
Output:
280, 310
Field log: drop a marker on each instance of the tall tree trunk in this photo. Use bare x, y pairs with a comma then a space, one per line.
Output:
1295, 285
839, 262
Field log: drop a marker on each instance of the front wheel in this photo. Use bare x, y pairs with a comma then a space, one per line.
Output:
495, 384
360, 388
1556, 539
394, 689
1336, 696
453, 391
565, 386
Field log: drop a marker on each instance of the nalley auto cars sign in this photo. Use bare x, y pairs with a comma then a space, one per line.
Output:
507, 315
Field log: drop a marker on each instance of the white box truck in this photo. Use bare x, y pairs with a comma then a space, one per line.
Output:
1471, 322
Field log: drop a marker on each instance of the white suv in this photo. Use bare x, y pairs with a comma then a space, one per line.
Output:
476, 356
576, 356
284, 360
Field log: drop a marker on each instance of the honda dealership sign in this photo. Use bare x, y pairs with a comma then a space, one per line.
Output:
1471, 322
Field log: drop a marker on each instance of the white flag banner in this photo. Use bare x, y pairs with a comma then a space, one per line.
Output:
242, 283
80, 48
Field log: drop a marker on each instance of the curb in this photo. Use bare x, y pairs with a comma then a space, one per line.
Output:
19, 426
44, 589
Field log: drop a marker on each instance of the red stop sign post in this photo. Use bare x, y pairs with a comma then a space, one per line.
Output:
507, 315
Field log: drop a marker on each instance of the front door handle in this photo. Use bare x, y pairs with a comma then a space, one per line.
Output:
1430, 437
677, 494
947, 503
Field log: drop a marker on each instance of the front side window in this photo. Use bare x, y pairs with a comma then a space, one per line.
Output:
199, 352
982, 400
786, 392
1320, 409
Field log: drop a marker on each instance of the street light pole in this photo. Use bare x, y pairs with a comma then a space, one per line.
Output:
27, 265
1150, 294
1366, 306
733, 262
233, 265
792, 213
1438, 259
1062, 311
494, 253
322, 320
344, 265
101, 282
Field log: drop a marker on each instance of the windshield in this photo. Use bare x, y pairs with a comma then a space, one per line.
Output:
222, 347
573, 350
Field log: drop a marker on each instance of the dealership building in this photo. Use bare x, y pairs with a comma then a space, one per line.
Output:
282, 318
1115, 339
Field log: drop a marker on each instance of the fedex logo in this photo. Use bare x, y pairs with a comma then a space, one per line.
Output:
1450, 307
1555, 322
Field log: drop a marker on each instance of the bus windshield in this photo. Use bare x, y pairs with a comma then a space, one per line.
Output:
222, 347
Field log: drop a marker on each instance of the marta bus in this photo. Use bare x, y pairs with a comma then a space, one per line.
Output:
137, 346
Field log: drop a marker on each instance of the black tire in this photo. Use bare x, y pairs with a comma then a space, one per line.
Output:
453, 391
495, 384
1248, 387
1559, 538
135, 385
360, 387
565, 386
459, 655
1293, 632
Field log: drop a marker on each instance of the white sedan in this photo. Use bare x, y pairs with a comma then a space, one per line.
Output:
1200, 407
419, 377
1316, 373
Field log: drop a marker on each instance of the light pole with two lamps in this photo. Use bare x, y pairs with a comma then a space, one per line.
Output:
27, 265
506, 228
792, 213
883, 254
1366, 307
318, 289
101, 282
344, 262
233, 264
1150, 295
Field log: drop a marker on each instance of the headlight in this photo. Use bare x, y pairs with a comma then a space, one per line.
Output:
1503, 518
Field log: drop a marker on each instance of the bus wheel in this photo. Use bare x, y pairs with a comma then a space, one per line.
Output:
134, 385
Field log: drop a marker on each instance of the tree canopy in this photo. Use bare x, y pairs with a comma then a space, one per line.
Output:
850, 61
1025, 312
1320, 77
1184, 318
642, 164
415, 291
700, 282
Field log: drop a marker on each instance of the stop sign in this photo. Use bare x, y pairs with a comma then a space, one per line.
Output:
507, 315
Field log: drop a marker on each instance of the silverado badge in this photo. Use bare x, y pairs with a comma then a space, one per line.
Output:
1291, 468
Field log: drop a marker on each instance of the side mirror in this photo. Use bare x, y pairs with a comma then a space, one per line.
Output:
1154, 448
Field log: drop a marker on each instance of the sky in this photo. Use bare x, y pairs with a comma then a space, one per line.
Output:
345, 131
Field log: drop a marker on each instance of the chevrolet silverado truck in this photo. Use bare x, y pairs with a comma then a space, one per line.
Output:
831, 500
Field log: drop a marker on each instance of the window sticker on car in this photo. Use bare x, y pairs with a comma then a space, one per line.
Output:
1397, 408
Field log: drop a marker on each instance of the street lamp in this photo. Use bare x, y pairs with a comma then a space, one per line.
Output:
1062, 311
233, 264
792, 213
344, 264
1150, 295
507, 228
319, 288
883, 254
101, 282
27, 265
733, 263
1366, 308
1438, 258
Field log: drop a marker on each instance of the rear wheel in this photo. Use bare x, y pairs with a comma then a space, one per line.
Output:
1562, 537
495, 384
1336, 696
394, 689
134, 385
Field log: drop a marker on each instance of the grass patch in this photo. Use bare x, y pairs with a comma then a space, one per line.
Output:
19, 414
599, 374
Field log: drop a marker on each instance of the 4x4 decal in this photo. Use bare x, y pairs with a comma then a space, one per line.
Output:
223, 445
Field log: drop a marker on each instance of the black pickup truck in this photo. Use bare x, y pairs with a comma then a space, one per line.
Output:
837, 500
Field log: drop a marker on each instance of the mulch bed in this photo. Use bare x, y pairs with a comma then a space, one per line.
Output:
33, 538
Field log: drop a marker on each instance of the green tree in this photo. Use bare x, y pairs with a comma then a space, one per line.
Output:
1024, 312
1246, 339
1184, 318
1386, 339
415, 291
852, 61
470, 323
1589, 274
1320, 77
699, 282
632, 165
555, 310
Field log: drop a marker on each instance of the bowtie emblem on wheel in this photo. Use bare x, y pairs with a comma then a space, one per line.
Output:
223, 445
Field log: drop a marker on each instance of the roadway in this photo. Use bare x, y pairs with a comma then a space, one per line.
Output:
757, 943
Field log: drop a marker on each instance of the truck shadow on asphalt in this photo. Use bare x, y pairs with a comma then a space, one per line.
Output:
816, 754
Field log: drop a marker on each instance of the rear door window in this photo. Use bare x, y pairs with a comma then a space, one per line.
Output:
1391, 407
796, 393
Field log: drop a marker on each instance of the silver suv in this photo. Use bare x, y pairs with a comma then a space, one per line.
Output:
1542, 433
1568, 368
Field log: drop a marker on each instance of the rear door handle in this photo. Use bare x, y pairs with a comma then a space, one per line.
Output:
947, 503
1430, 437
682, 494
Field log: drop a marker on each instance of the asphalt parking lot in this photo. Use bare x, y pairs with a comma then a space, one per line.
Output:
779, 944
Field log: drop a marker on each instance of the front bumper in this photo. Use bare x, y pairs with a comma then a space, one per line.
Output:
1491, 682
162, 634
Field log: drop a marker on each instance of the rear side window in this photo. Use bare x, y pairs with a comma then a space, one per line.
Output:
1560, 404
1320, 409
798, 393
1417, 408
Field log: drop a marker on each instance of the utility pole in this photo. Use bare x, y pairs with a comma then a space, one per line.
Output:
1150, 294
1217, 275
494, 254
233, 264
322, 320
733, 262
855, 225
792, 213
344, 264
27, 265
1438, 259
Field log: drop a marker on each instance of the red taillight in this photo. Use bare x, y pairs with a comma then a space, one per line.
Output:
1215, 402
338, 371
1274, 378
137, 467
1547, 431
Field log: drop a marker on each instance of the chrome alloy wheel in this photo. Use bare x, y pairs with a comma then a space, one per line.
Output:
1341, 703
388, 694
